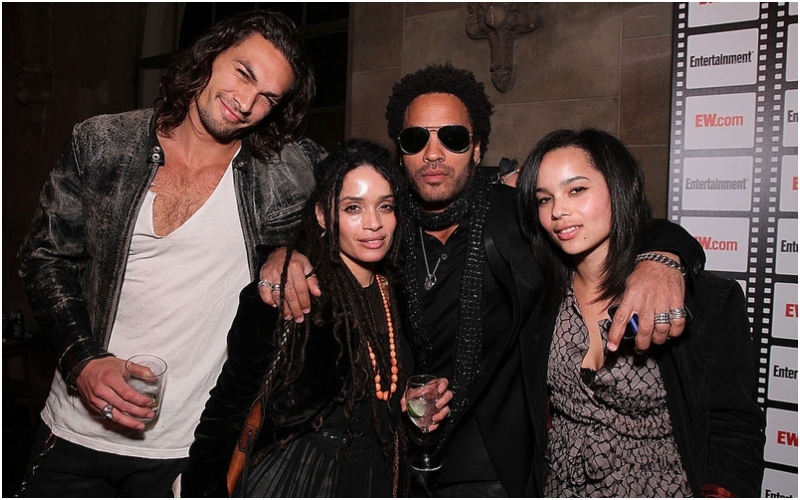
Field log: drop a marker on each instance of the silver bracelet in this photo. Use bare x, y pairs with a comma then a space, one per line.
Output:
661, 259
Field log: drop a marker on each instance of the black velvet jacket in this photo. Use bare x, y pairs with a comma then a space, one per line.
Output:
251, 347
252, 344
710, 379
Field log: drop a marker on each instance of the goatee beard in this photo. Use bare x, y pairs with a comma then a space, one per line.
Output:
216, 130
440, 205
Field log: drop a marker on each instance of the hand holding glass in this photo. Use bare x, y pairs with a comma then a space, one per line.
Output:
422, 394
147, 375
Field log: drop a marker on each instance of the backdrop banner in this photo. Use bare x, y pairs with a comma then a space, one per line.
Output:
733, 185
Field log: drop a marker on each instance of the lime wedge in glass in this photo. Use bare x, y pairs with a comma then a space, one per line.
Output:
416, 409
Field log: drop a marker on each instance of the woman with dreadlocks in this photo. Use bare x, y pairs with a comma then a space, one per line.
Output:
325, 392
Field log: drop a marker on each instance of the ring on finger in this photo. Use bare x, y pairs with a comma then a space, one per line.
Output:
276, 287
106, 412
265, 283
677, 313
661, 319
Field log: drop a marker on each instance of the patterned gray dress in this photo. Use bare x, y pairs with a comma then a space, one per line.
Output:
611, 432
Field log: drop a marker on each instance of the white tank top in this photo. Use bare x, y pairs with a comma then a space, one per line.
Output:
177, 302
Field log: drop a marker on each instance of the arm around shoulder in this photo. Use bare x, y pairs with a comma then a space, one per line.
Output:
666, 236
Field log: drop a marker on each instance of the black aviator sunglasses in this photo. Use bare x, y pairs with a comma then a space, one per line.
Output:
456, 138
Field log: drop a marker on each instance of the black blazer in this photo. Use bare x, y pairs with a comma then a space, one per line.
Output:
710, 378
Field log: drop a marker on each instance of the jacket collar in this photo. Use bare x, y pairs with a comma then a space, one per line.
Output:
155, 152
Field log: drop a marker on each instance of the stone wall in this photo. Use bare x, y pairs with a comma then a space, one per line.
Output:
606, 65
91, 50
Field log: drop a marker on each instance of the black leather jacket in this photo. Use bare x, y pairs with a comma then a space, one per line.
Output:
74, 257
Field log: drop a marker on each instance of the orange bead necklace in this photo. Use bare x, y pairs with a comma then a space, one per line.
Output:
379, 392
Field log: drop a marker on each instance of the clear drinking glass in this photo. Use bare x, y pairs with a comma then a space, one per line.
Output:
147, 375
421, 397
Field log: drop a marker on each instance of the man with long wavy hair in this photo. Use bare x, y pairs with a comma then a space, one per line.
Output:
145, 232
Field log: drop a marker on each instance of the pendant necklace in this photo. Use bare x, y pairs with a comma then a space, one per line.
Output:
430, 279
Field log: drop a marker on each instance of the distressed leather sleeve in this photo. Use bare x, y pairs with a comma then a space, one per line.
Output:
313, 151
251, 345
53, 258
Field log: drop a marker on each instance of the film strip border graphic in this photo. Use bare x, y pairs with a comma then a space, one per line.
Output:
764, 215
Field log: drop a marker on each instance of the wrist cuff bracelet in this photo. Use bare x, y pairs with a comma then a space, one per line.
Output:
661, 260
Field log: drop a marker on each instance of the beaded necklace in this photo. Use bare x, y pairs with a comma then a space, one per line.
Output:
379, 392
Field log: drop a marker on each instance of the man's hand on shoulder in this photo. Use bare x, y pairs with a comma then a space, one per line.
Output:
301, 283
652, 289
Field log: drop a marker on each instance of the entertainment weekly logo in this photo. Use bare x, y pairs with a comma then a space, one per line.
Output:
788, 202
786, 247
722, 59
790, 120
724, 241
781, 431
785, 311
783, 376
778, 484
718, 184
724, 121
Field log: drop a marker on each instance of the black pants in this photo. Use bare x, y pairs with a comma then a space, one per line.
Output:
58, 468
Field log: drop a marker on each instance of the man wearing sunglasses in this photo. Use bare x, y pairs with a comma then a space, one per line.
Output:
473, 285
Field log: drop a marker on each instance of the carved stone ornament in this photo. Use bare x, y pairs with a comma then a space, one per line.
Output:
501, 23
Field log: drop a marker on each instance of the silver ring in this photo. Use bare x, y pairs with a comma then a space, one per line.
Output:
266, 283
106, 412
677, 313
661, 318
276, 287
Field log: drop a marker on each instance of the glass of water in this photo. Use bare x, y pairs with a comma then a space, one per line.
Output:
422, 393
147, 375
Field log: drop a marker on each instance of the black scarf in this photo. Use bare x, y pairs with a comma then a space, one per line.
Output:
474, 202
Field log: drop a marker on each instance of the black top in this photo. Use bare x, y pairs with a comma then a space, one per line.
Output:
464, 455
252, 344
490, 439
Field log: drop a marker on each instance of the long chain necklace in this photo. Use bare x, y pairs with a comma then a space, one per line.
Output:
430, 279
379, 392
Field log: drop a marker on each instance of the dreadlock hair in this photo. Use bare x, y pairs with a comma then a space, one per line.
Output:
191, 70
344, 302
630, 210
441, 79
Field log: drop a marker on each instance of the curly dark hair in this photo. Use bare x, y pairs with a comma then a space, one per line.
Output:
344, 302
442, 79
190, 72
630, 210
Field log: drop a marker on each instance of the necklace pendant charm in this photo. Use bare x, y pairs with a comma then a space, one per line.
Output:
430, 281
